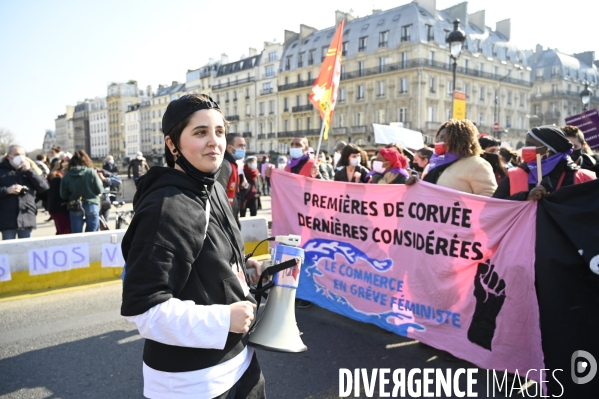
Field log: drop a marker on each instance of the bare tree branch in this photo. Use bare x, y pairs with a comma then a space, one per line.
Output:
6, 139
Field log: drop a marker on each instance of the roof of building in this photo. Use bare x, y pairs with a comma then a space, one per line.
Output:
566, 66
488, 42
172, 89
238, 66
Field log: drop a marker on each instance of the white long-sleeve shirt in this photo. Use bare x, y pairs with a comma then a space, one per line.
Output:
183, 323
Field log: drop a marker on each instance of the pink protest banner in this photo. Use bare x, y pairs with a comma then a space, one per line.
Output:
453, 270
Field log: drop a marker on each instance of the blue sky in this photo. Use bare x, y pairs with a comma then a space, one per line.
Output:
54, 53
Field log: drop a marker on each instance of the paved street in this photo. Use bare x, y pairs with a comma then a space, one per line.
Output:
74, 344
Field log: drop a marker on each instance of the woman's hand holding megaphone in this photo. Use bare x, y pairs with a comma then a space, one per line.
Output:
242, 315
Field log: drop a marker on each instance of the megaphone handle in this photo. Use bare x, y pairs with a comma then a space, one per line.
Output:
268, 272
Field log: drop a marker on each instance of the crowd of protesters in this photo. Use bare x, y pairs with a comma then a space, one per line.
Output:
70, 189
461, 159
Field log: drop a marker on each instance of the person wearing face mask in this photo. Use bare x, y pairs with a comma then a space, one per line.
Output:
185, 284
582, 155
389, 167
281, 162
18, 186
557, 168
110, 166
421, 160
300, 162
250, 170
337, 154
326, 170
456, 163
229, 176
350, 168
490, 147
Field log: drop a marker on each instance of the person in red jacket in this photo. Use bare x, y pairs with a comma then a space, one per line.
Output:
300, 162
558, 169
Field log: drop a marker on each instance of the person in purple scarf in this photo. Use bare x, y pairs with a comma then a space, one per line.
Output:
456, 163
389, 167
557, 168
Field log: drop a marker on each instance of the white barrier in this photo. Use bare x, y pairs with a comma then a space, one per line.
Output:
42, 263
50, 262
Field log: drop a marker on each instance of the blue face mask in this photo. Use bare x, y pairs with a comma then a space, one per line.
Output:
239, 154
296, 153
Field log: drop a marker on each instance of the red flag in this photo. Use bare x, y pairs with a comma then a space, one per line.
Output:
324, 92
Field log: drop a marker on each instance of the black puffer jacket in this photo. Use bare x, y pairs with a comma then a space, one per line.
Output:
167, 257
18, 211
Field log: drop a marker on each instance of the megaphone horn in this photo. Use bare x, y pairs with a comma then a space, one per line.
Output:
276, 330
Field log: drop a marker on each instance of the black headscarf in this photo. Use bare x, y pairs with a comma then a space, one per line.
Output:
551, 137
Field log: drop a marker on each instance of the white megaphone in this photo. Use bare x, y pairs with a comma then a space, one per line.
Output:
276, 330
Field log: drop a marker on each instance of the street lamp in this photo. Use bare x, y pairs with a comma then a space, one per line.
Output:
455, 40
585, 96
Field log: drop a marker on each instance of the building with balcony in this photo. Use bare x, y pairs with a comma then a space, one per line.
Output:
267, 122
158, 103
235, 90
81, 135
132, 130
118, 99
63, 125
396, 68
558, 81
145, 128
98, 128
199, 80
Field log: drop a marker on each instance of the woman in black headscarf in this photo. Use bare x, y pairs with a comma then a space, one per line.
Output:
185, 284
557, 167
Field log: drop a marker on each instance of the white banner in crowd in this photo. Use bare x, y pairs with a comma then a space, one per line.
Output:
4, 268
58, 259
407, 138
112, 255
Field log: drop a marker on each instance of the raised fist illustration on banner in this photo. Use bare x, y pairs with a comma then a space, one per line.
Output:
489, 291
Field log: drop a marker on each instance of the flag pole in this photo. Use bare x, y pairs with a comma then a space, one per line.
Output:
324, 122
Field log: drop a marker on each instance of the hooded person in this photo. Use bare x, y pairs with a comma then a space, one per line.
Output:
557, 168
389, 167
185, 284
138, 165
252, 195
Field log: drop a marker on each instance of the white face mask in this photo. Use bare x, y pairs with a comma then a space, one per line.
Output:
296, 153
354, 161
377, 166
282, 166
18, 160
336, 157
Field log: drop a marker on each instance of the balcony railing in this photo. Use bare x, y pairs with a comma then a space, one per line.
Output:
234, 83
296, 85
233, 118
302, 108
415, 63
271, 135
266, 91
552, 114
433, 125
285, 134
247, 134
557, 94
261, 136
